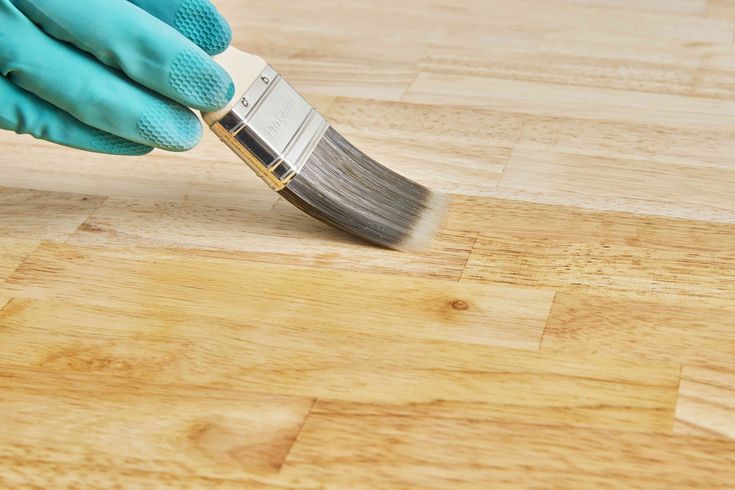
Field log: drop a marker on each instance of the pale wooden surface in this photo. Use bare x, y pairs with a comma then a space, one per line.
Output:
572, 326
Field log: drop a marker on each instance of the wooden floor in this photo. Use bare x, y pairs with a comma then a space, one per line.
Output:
572, 327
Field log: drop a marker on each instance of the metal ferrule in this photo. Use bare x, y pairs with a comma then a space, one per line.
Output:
272, 128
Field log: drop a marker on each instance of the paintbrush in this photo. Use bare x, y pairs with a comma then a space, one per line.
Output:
298, 154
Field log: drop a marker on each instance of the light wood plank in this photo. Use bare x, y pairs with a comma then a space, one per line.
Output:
210, 173
423, 308
119, 426
336, 66
509, 217
572, 101
347, 451
422, 19
309, 47
693, 69
656, 65
567, 249
39, 215
320, 102
180, 335
27, 473
680, 330
327, 54
480, 20
721, 10
386, 366
677, 6
640, 186
707, 401
278, 234
554, 262
674, 55
699, 71
12, 253
405, 21
480, 138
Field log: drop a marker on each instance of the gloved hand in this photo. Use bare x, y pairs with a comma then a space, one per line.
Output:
112, 76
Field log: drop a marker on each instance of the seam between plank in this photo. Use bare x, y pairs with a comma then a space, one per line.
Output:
298, 433
6, 303
89, 216
467, 260
546, 323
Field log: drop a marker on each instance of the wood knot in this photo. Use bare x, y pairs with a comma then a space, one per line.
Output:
460, 305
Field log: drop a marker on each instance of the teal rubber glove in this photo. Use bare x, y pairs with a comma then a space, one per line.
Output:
112, 76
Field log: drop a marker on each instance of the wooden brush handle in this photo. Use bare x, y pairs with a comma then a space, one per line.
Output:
244, 68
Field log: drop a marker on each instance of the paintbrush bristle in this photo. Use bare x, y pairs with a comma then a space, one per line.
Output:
289, 145
343, 187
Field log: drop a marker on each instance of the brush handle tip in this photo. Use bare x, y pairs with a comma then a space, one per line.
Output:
244, 68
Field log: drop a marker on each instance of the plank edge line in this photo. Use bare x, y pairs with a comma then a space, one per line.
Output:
298, 433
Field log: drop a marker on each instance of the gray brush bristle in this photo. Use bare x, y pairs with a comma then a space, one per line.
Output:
343, 187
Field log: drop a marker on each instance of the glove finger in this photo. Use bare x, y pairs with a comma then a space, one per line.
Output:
146, 49
25, 113
91, 92
198, 20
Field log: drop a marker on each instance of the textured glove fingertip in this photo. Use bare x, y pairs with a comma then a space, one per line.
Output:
199, 21
169, 126
104, 142
200, 82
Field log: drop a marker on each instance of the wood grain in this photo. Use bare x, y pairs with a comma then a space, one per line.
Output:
12, 253
692, 69
168, 322
721, 9
244, 349
690, 331
696, 7
5, 298
653, 188
570, 266
117, 428
568, 249
579, 102
514, 217
313, 51
707, 401
38, 215
276, 232
31, 473
587, 22
405, 452
457, 134
207, 174
423, 308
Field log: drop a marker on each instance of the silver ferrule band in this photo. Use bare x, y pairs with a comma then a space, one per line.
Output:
272, 128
